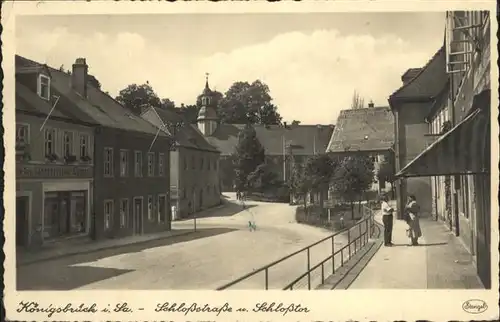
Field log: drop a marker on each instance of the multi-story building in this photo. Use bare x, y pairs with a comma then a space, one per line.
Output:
54, 163
131, 181
365, 131
194, 168
458, 158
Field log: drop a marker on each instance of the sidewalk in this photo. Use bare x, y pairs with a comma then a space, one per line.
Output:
440, 262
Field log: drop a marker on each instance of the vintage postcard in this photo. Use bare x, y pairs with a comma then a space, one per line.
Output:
250, 161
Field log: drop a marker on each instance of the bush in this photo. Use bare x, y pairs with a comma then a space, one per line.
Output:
316, 219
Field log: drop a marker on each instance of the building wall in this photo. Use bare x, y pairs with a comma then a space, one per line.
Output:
199, 180
129, 187
410, 141
36, 176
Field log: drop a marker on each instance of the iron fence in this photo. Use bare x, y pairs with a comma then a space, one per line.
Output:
349, 242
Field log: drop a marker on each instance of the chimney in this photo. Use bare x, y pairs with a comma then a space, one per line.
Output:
409, 75
79, 76
284, 124
371, 105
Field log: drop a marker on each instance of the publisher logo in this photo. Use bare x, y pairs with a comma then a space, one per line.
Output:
474, 306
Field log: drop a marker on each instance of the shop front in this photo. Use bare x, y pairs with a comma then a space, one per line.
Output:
53, 202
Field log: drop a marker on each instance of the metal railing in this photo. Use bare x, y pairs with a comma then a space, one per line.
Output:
354, 239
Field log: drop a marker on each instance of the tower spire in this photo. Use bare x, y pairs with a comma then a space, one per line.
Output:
206, 80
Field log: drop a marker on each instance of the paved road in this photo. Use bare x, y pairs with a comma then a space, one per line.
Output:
222, 250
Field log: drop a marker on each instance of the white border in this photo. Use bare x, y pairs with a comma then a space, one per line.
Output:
376, 305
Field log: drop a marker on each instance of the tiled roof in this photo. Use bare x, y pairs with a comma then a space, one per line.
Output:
364, 129
98, 106
189, 135
303, 138
428, 82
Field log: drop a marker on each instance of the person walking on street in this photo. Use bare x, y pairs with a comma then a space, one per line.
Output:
388, 220
412, 210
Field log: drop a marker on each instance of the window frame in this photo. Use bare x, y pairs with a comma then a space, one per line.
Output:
124, 172
108, 222
124, 216
151, 164
150, 211
71, 135
53, 141
111, 163
86, 136
39, 86
25, 126
161, 164
138, 170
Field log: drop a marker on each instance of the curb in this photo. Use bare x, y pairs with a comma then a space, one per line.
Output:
89, 251
345, 275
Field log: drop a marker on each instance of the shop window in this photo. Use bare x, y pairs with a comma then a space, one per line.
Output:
65, 213
123, 163
108, 214
150, 208
151, 164
44, 87
138, 164
124, 212
161, 164
108, 162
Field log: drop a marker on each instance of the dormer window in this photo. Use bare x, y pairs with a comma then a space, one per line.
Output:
205, 100
44, 87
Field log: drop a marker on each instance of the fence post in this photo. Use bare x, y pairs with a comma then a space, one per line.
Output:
309, 268
349, 241
333, 254
267, 278
360, 235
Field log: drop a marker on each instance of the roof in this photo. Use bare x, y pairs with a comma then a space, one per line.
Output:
28, 101
364, 129
98, 107
304, 138
411, 73
188, 135
428, 82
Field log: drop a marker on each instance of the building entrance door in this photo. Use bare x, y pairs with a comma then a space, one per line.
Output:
138, 216
21, 220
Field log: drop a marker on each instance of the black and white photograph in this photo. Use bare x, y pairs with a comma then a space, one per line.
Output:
213, 150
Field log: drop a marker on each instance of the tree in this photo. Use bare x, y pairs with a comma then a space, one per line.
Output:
352, 178
386, 171
190, 112
295, 122
299, 185
357, 101
319, 169
134, 97
248, 103
249, 154
263, 178
167, 103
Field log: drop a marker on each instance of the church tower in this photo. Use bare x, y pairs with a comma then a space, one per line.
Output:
207, 116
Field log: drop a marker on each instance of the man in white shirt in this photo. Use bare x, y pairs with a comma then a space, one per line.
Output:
387, 219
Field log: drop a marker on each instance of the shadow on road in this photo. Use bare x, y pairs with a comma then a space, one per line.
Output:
229, 209
60, 275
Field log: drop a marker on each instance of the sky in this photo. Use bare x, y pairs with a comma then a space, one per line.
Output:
312, 62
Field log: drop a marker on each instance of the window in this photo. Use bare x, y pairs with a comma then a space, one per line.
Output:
108, 214
68, 143
185, 163
124, 212
138, 163
201, 162
161, 164
151, 164
44, 87
193, 161
209, 163
50, 141
22, 134
183, 193
161, 208
123, 163
150, 208
84, 145
108, 162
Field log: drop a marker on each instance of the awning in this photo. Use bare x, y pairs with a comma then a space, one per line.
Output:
465, 149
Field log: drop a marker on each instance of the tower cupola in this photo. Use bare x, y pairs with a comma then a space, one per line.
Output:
207, 115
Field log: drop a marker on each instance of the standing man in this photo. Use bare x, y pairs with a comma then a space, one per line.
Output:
387, 219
